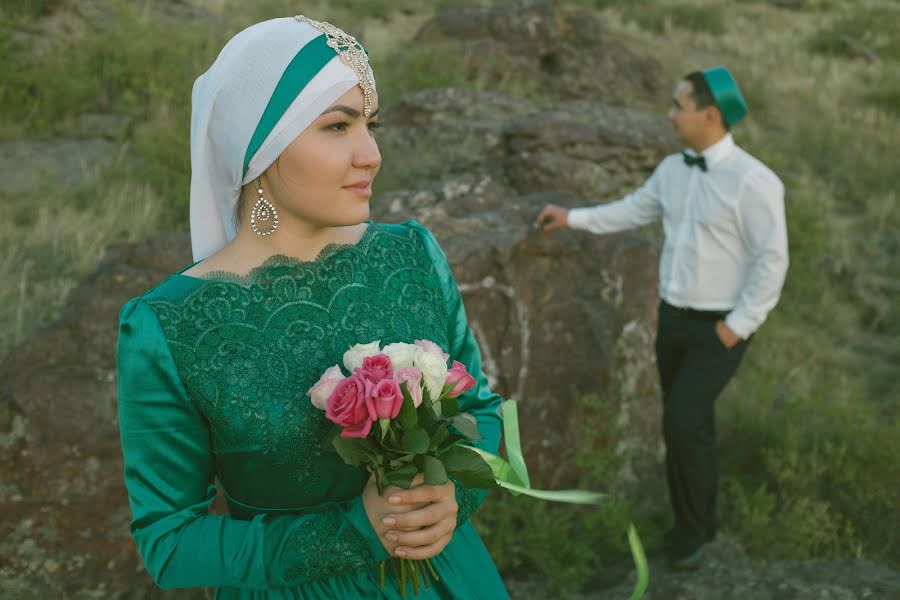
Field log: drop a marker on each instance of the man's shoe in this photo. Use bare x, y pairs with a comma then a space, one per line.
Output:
688, 562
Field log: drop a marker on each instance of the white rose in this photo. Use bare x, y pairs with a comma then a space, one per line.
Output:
320, 392
429, 346
434, 372
402, 355
353, 358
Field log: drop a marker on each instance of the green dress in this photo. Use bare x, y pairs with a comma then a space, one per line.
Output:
212, 380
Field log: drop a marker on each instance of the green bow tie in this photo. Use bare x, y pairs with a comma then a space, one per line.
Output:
691, 161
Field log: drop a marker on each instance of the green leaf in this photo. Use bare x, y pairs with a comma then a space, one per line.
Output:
426, 415
450, 407
466, 425
439, 436
435, 473
402, 476
415, 441
350, 451
399, 462
407, 417
468, 467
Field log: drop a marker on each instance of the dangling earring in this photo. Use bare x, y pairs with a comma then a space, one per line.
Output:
264, 211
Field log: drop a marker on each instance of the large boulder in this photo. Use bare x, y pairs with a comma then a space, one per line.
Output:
66, 516
550, 311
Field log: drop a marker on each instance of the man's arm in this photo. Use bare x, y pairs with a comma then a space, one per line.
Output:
638, 208
764, 231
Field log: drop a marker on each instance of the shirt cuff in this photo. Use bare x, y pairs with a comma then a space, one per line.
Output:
579, 218
740, 324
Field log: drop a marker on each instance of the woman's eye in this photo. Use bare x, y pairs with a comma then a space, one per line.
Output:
342, 126
375, 125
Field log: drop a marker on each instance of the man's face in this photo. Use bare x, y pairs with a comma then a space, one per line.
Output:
691, 124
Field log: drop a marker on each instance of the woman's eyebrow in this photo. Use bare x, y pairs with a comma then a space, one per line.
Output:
349, 111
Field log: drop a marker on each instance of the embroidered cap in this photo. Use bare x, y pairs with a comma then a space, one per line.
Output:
727, 94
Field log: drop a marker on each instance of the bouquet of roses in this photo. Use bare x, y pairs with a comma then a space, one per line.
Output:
398, 415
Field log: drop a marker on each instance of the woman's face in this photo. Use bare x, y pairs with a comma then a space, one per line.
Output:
324, 177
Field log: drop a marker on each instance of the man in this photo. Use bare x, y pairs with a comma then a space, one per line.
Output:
723, 264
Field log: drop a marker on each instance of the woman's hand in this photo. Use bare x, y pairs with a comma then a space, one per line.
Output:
422, 521
416, 523
377, 508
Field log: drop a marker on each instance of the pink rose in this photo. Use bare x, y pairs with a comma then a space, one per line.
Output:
320, 392
460, 376
347, 406
385, 399
429, 346
375, 368
413, 378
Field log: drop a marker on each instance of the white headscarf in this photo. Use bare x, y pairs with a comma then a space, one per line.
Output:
228, 104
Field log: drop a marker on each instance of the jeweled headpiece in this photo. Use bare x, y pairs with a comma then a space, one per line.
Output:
351, 54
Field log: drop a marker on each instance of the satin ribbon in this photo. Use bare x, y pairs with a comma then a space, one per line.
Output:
512, 475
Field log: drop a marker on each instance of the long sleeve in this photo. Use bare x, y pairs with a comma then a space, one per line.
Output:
479, 401
764, 232
638, 208
169, 472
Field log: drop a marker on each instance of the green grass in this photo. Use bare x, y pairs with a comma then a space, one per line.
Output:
566, 546
660, 16
859, 31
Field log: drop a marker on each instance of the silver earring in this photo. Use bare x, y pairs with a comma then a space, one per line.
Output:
263, 211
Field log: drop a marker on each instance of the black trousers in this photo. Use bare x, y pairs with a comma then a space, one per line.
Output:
694, 367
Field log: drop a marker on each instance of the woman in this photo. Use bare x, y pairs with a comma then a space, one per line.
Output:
215, 362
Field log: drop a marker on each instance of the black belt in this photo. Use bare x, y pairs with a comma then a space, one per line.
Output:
691, 313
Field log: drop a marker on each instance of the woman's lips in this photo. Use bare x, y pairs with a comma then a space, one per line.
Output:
362, 188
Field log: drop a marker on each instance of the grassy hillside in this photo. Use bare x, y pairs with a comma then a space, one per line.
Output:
809, 430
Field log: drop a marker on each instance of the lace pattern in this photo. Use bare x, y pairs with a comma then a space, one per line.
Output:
249, 347
327, 550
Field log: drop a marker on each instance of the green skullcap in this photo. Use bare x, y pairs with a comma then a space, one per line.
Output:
727, 94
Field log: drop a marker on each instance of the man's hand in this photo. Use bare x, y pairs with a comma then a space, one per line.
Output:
728, 337
552, 217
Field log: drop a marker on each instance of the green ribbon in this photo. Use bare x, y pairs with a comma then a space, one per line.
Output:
513, 476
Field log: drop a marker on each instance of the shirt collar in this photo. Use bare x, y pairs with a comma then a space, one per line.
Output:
719, 150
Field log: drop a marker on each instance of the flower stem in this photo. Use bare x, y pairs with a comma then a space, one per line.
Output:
381, 570
424, 575
402, 568
413, 566
430, 568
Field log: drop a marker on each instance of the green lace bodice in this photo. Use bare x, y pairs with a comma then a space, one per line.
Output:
248, 350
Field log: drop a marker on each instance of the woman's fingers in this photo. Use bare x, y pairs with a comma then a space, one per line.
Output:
421, 494
424, 536
423, 552
422, 517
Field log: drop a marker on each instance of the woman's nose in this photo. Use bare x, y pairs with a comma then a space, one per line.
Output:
367, 154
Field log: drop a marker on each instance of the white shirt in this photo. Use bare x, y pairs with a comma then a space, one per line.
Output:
725, 234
